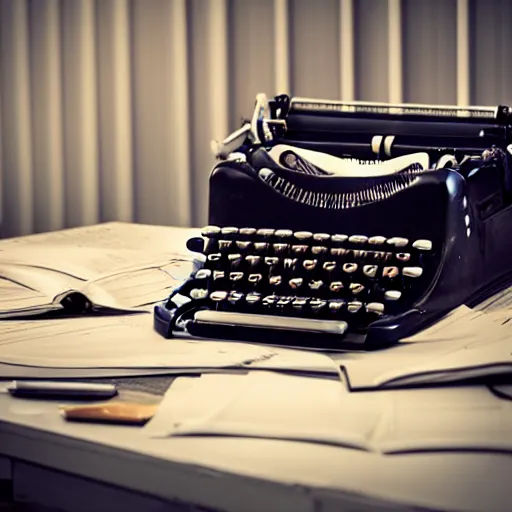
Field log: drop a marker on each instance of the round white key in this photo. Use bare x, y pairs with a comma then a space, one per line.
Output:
218, 296
339, 238
354, 306
375, 307
398, 242
210, 231
358, 239
303, 235
423, 245
370, 270
229, 231
412, 271
377, 240
392, 295
198, 293
203, 273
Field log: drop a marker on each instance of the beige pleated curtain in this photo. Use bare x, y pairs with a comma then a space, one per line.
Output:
107, 107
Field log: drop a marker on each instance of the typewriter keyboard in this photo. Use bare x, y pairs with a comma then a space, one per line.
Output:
354, 278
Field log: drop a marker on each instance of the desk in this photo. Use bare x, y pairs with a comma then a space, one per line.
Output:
84, 467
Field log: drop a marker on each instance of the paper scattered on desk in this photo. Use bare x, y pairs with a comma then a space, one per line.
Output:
266, 404
465, 344
271, 405
129, 341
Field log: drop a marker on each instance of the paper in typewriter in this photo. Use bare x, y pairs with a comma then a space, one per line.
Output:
272, 405
465, 344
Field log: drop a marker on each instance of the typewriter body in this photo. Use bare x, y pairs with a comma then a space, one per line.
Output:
349, 224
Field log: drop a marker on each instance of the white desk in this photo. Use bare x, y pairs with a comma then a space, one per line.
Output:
83, 467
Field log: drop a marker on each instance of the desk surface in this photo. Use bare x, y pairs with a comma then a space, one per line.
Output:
233, 474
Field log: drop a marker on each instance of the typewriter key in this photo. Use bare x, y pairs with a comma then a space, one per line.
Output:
224, 245
375, 307
403, 256
235, 297
370, 270
390, 272
203, 273
336, 305
283, 233
318, 249
243, 245
281, 248
235, 260
336, 286
299, 303
354, 306
254, 278
423, 245
317, 304
290, 263
218, 296
210, 231
296, 282
338, 239
316, 284
309, 264
358, 239
338, 251
356, 288
392, 295
265, 233
198, 293
253, 261
236, 276
275, 280
228, 231
329, 266
321, 237
247, 231
271, 261
398, 242
303, 235
253, 297
218, 274
269, 300
349, 268
299, 249
377, 240
412, 271
261, 246
284, 301
214, 257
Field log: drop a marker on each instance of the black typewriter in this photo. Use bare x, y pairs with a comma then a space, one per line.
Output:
349, 224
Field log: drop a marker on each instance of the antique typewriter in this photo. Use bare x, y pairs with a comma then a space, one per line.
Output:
349, 224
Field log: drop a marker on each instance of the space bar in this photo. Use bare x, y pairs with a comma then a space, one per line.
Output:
271, 321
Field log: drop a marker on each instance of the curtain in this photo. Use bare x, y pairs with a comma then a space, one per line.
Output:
108, 107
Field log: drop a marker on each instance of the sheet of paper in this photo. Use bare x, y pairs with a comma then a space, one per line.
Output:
447, 418
443, 348
121, 341
271, 405
266, 404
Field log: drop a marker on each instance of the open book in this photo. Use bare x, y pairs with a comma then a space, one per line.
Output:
42, 277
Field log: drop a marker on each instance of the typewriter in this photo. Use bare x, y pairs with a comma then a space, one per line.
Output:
348, 224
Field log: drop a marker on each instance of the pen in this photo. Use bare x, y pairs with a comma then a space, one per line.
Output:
61, 390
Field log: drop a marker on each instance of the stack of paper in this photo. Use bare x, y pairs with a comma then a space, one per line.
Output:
266, 404
466, 344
